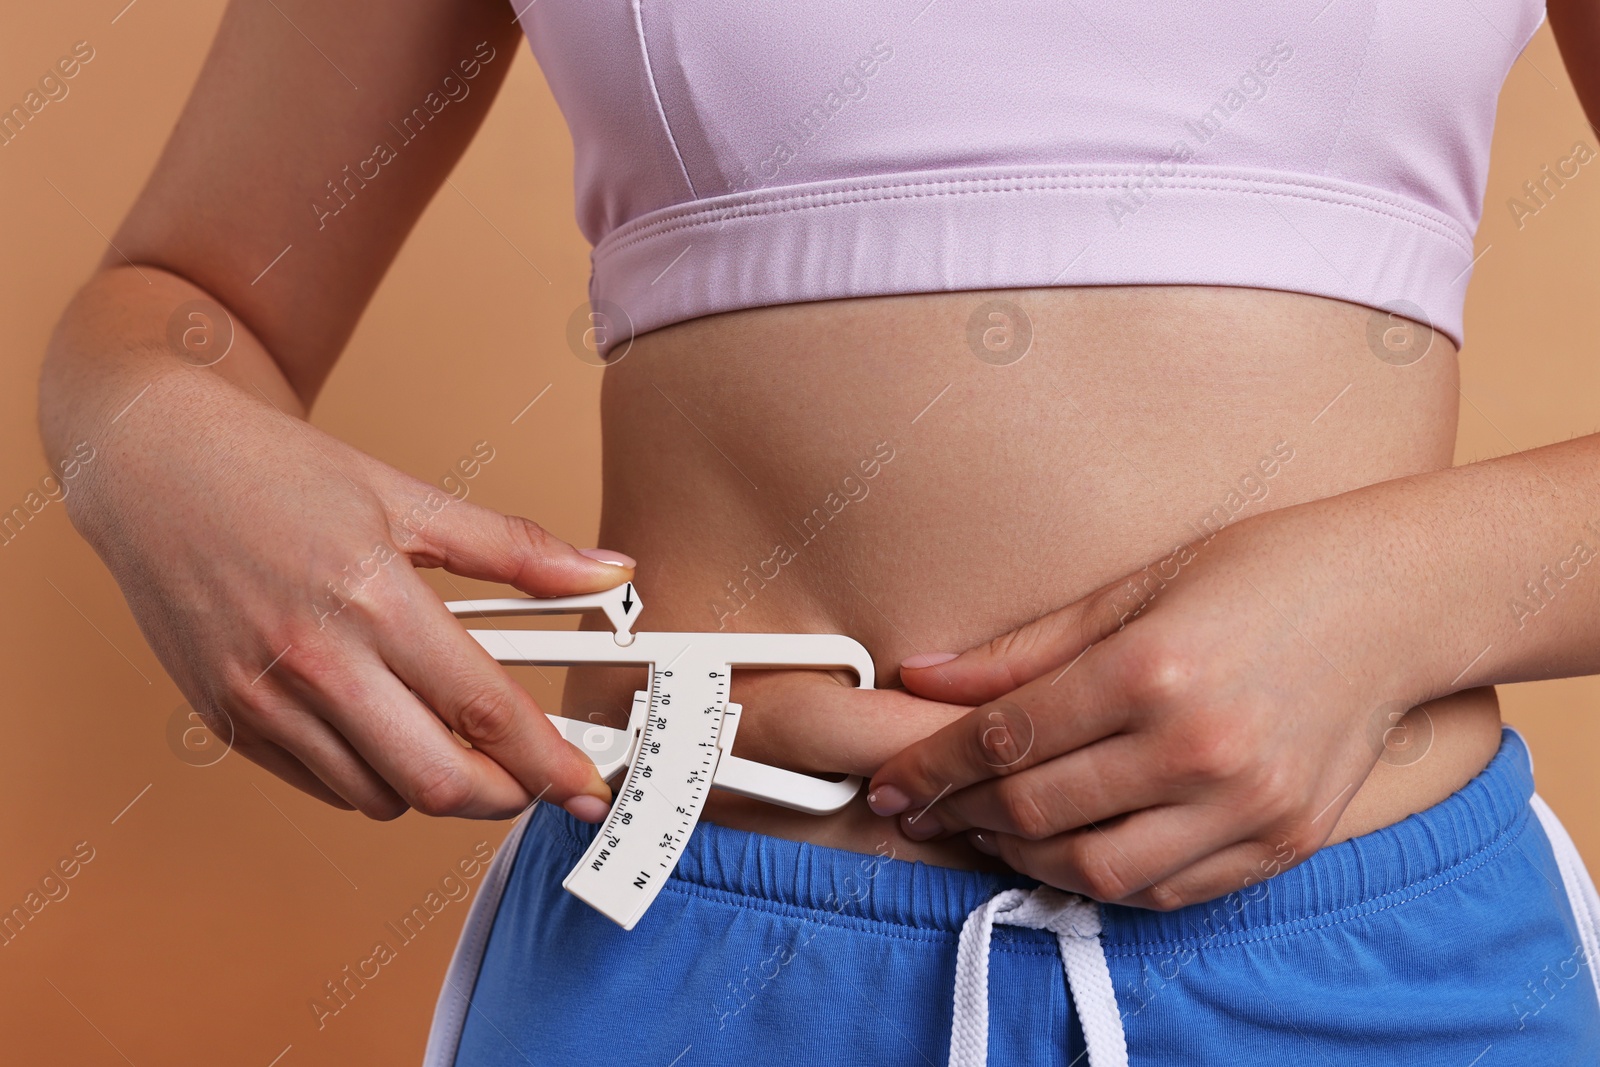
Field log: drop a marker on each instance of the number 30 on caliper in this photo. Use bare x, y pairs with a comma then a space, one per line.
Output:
678, 744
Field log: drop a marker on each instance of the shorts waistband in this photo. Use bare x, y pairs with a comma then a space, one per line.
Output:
1367, 873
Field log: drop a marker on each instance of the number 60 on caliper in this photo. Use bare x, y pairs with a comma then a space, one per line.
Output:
679, 740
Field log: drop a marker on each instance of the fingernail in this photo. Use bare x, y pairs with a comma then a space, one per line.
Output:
926, 659
605, 555
887, 800
984, 843
587, 808
921, 826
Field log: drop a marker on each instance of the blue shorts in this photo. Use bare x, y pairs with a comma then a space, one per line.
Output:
1460, 937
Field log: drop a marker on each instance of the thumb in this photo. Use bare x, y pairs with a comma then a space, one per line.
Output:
1049, 643
478, 542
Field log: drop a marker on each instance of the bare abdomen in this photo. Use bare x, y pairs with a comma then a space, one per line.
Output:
883, 468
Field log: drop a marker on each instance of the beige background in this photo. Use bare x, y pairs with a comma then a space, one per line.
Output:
218, 904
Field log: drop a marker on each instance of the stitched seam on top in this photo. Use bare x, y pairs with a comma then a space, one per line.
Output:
889, 928
650, 76
1213, 174
834, 198
1212, 184
744, 900
1467, 866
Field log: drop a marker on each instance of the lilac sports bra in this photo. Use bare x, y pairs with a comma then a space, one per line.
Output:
738, 153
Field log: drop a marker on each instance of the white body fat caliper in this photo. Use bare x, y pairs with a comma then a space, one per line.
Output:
678, 744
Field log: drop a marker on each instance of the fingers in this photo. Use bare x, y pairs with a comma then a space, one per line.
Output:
399, 674
1044, 646
476, 542
805, 721
997, 740
1239, 868
358, 696
476, 698
305, 751
1133, 857
278, 762
1088, 786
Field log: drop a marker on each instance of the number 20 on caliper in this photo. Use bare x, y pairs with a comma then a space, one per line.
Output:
678, 743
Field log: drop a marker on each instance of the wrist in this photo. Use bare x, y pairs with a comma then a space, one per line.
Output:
1394, 607
1445, 554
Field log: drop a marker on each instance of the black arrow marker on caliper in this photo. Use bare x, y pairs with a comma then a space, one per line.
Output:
627, 598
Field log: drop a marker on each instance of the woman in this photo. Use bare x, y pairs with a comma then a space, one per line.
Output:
1113, 347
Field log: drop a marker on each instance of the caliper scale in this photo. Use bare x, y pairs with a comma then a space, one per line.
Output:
678, 744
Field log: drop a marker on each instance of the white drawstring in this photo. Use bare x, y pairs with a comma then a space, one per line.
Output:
1076, 923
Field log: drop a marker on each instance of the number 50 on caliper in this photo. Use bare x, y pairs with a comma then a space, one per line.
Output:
678, 744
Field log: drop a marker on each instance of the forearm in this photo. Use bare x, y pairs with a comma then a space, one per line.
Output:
1488, 572
119, 351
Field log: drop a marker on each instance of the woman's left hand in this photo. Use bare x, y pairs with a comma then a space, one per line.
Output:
1192, 729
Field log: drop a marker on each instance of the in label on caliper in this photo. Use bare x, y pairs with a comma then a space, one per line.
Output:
678, 744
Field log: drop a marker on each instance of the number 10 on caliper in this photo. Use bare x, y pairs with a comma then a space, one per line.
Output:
678, 744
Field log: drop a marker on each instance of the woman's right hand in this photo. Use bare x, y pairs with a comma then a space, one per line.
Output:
223, 518
272, 569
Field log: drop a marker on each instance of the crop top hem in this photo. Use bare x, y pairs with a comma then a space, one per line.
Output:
1032, 227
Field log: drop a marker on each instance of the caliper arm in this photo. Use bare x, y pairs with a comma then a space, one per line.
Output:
621, 605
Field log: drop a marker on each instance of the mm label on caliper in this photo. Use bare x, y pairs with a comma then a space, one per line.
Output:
678, 744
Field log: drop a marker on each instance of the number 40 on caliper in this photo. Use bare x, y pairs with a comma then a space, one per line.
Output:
678, 744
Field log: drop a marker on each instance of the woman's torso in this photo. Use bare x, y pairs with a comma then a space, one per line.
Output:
802, 210
903, 470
